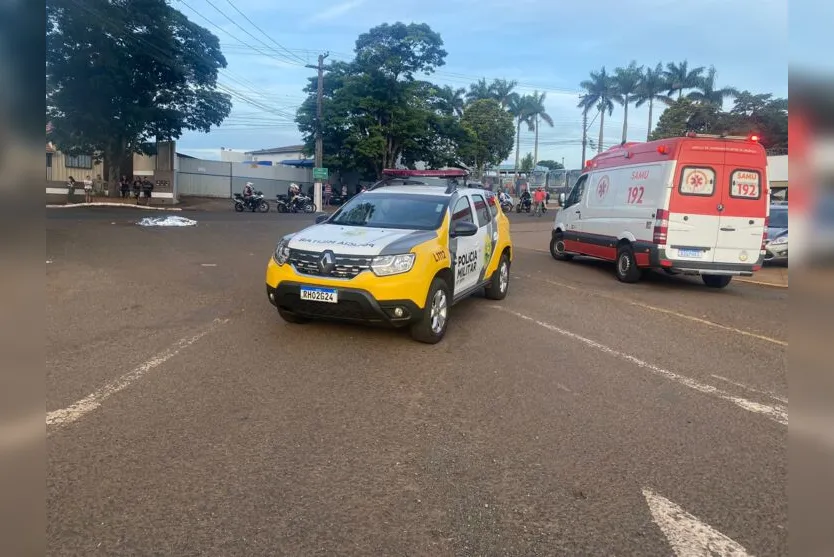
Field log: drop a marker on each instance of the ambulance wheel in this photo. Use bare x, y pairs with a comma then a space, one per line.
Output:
557, 248
627, 270
432, 324
716, 281
500, 281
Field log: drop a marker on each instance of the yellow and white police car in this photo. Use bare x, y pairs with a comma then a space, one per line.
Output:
400, 254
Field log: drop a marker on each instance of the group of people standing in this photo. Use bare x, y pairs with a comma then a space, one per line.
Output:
138, 187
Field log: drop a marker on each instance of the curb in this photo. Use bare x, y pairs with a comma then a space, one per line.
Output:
105, 204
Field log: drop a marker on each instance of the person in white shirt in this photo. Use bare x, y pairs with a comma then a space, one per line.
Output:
88, 189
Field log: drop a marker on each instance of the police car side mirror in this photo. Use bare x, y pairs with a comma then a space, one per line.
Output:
464, 228
321, 218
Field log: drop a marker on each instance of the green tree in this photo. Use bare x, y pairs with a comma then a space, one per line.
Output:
680, 77
684, 115
451, 101
122, 74
538, 112
490, 134
707, 91
519, 108
374, 112
626, 84
502, 91
480, 90
761, 114
652, 87
551, 165
527, 165
600, 92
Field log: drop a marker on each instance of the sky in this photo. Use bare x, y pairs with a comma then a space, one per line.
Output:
543, 44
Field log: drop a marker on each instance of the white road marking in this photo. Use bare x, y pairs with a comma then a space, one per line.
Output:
208, 264
673, 313
776, 413
751, 389
689, 536
91, 402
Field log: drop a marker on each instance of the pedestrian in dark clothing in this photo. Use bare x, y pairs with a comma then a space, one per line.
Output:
147, 188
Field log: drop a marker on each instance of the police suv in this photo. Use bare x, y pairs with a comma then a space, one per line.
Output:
399, 254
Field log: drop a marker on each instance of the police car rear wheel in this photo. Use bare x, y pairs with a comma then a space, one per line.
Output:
432, 325
500, 282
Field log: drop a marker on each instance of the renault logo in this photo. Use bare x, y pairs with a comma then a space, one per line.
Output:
326, 263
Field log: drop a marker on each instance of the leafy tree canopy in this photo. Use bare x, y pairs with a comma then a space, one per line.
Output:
551, 165
376, 114
491, 133
526, 164
123, 74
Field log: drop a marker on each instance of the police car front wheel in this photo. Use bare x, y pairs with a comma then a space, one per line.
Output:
432, 324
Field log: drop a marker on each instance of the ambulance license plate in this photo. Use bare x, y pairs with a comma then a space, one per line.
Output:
694, 253
327, 295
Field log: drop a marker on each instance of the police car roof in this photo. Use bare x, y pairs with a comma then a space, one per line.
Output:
422, 189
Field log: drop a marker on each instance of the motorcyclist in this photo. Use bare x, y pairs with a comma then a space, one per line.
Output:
292, 193
248, 194
526, 199
504, 197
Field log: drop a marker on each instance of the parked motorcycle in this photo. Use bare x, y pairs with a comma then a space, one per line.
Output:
526, 205
255, 203
300, 204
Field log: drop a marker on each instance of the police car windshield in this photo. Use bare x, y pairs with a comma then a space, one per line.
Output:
390, 210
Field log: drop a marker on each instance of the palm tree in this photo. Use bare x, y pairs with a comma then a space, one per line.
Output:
680, 77
626, 83
502, 91
599, 93
452, 99
479, 90
652, 88
519, 107
538, 111
707, 93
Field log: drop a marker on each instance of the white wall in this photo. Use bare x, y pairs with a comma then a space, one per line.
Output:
777, 168
228, 155
276, 158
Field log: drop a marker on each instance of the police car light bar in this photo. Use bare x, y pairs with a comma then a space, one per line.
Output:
404, 173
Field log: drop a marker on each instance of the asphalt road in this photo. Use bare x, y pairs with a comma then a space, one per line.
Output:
185, 418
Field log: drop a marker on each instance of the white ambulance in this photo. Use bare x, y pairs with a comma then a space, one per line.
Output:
697, 205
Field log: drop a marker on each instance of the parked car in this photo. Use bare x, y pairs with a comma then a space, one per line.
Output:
776, 241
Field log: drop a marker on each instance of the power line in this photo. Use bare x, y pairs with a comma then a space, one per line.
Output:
264, 33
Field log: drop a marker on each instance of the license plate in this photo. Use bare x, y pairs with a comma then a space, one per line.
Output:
327, 295
695, 253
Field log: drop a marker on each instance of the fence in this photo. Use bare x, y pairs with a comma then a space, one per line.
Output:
204, 178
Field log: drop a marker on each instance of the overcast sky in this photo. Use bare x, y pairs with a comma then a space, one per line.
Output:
543, 44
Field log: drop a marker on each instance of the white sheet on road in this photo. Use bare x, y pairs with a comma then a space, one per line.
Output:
166, 221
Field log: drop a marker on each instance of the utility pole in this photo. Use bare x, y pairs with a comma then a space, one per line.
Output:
584, 134
319, 142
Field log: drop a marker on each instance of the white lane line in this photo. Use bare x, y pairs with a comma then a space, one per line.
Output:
208, 264
776, 413
91, 402
689, 536
673, 313
751, 389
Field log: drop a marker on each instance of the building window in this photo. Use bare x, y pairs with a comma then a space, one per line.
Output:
78, 161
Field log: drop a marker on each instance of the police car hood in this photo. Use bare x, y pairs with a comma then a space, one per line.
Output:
358, 240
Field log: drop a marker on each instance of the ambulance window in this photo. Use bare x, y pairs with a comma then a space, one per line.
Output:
745, 184
481, 210
577, 191
698, 180
462, 211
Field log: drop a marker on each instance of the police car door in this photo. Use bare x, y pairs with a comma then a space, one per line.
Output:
488, 233
467, 251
